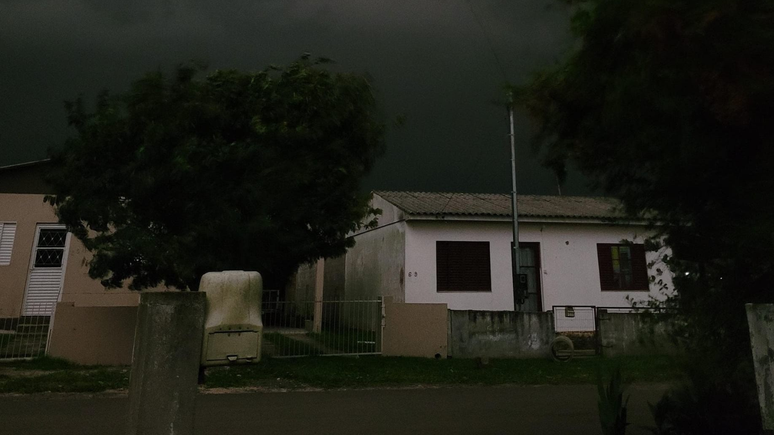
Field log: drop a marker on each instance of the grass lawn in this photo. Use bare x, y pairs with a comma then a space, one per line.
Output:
46, 374
59, 376
375, 371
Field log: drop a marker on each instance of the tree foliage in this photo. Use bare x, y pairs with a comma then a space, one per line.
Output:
667, 105
184, 174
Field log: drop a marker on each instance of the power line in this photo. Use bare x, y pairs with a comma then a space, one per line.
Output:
480, 24
500, 68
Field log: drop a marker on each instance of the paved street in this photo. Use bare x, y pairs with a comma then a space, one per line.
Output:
544, 410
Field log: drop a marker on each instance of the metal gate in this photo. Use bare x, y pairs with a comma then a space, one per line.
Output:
580, 324
26, 336
308, 328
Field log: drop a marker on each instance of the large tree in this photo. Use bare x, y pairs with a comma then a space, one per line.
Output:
184, 174
668, 105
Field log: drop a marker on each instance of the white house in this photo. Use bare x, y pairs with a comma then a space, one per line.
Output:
455, 249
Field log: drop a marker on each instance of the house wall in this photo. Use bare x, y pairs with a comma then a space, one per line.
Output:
374, 266
333, 278
83, 291
568, 257
27, 211
301, 287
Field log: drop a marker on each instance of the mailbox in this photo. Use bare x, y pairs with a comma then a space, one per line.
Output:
232, 328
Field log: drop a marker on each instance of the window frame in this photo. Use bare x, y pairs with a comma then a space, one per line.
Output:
39, 248
606, 260
443, 284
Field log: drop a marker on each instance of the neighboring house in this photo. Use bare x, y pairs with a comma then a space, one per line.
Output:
455, 248
43, 272
40, 262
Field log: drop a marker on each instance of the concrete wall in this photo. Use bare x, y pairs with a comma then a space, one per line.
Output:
500, 334
760, 321
568, 257
415, 330
374, 266
634, 334
93, 335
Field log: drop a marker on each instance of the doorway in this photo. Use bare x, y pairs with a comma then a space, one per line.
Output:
47, 269
529, 264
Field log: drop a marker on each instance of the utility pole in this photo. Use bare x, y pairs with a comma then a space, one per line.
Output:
518, 298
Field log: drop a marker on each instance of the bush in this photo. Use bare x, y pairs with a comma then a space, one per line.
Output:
709, 403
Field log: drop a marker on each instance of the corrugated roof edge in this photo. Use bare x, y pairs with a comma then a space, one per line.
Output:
619, 216
24, 164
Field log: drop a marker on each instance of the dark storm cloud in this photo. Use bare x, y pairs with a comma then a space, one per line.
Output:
430, 61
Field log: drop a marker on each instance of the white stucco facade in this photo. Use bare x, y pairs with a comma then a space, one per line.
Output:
569, 267
398, 259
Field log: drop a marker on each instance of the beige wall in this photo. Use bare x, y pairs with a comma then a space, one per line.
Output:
27, 211
415, 330
93, 335
80, 289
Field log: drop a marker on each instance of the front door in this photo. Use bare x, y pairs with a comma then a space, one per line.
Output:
47, 269
529, 264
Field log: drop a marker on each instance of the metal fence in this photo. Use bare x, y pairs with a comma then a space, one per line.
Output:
26, 336
294, 329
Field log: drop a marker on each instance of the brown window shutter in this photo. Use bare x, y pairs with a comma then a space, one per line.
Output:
605, 267
640, 279
442, 265
463, 266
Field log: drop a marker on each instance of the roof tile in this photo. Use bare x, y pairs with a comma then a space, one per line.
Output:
499, 205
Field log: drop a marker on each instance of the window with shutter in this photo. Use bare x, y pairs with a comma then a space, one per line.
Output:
622, 267
7, 235
463, 267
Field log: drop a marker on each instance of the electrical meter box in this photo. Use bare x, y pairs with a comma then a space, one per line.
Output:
232, 328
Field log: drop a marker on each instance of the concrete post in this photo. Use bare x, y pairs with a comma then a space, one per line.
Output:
165, 363
319, 280
760, 319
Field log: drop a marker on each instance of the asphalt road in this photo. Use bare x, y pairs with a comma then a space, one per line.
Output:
544, 410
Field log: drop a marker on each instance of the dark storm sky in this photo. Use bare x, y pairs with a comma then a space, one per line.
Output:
429, 59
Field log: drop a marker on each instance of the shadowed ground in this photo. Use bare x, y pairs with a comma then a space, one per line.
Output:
544, 410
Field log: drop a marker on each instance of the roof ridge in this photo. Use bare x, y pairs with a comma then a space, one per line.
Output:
438, 192
23, 164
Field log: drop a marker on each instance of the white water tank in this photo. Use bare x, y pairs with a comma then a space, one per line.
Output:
233, 326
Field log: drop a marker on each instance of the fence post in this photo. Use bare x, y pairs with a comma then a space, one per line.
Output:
50, 328
165, 363
382, 322
319, 282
